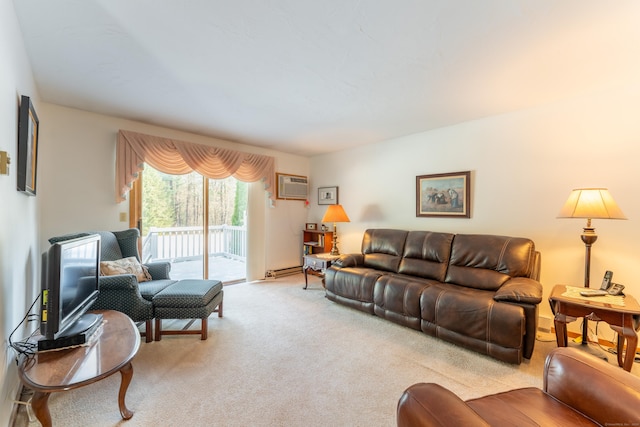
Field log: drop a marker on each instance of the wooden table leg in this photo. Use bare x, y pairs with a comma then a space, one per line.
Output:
40, 406
632, 343
148, 330
630, 355
620, 348
626, 335
204, 328
560, 323
127, 374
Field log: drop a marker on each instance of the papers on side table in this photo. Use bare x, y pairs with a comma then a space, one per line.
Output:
326, 255
574, 292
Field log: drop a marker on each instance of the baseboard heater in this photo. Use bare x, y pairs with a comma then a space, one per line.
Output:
272, 274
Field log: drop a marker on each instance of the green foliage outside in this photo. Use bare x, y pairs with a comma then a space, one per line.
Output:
240, 205
176, 200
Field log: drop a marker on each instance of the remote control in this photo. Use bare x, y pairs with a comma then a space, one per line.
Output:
593, 293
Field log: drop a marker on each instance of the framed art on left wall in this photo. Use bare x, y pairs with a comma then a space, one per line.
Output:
28, 126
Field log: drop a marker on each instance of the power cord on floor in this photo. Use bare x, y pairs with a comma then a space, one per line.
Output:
25, 347
614, 349
544, 336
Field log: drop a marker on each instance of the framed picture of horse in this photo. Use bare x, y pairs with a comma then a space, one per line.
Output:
444, 195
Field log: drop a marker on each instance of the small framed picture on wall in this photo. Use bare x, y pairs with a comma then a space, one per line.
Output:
327, 195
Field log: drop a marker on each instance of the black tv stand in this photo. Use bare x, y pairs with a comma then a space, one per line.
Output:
77, 334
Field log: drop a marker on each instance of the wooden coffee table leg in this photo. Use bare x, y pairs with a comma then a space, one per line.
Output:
40, 406
127, 374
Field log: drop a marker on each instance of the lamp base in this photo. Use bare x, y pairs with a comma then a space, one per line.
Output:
334, 241
334, 246
589, 237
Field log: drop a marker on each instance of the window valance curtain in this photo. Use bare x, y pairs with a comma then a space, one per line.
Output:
179, 157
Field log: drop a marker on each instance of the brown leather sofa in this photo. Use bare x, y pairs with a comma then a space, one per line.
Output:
578, 390
477, 291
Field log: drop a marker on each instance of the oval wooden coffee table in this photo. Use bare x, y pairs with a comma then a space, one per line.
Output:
61, 370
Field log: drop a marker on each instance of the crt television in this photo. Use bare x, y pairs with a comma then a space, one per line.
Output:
70, 274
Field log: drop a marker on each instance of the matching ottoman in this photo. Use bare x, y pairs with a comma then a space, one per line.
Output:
188, 299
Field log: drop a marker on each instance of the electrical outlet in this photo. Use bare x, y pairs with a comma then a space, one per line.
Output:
270, 274
123, 217
5, 160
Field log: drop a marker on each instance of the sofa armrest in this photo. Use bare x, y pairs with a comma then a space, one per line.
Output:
159, 270
520, 289
430, 404
349, 260
599, 390
121, 293
119, 282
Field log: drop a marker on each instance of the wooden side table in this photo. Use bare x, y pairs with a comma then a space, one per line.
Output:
316, 264
61, 370
625, 320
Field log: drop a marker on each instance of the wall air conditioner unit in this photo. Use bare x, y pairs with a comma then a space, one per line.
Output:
292, 187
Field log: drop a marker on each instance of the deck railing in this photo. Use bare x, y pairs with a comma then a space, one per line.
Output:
185, 243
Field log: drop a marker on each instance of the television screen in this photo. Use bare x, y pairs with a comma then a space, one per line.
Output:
70, 274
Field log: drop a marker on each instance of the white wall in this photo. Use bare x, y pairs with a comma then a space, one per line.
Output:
523, 166
19, 255
77, 184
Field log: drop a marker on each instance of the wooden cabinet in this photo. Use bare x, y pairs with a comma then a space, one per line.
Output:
316, 242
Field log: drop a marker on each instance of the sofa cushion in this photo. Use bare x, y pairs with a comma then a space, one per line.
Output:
128, 265
128, 241
382, 248
149, 289
487, 261
109, 248
352, 286
473, 319
426, 254
397, 298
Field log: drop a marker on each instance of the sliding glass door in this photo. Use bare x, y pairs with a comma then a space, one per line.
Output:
197, 224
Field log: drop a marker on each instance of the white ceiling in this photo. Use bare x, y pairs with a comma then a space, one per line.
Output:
314, 76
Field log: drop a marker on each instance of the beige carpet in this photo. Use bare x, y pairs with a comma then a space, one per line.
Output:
284, 356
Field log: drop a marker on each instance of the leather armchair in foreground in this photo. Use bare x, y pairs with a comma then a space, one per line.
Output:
578, 389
